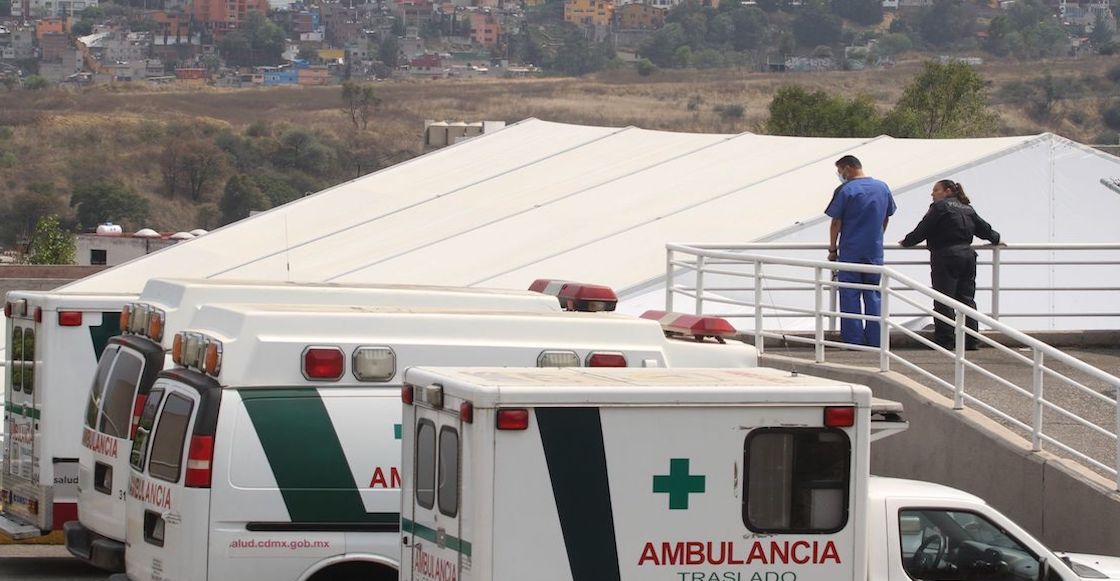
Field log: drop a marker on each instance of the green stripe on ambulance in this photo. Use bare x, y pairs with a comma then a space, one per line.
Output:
306, 456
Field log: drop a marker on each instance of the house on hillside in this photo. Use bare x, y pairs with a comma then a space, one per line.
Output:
587, 13
635, 16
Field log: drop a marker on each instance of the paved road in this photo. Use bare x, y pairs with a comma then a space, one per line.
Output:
1018, 405
31, 562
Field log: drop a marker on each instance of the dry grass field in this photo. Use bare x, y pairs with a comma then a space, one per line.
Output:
107, 126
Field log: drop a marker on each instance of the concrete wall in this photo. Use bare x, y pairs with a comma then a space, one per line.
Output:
37, 278
118, 249
1063, 504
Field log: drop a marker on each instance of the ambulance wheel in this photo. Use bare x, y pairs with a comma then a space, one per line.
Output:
356, 571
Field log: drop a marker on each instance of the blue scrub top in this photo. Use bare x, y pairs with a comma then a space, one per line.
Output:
861, 205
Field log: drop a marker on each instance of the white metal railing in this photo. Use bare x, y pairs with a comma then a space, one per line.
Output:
997, 264
733, 262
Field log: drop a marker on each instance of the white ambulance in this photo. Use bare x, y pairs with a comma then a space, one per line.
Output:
680, 475
272, 451
128, 367
43, 403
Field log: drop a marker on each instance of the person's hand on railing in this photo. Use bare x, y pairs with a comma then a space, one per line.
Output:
832, 255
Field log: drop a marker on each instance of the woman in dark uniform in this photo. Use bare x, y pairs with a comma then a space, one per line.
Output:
949, 227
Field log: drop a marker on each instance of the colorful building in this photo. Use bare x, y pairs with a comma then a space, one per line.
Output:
221, 15
589, 12
485, 29
640, 17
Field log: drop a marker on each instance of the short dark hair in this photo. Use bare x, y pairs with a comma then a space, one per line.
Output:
849, 161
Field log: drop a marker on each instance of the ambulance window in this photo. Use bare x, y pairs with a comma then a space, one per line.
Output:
426, 464
16, 352
171, 434
144, 429
28, 361
449, 471
796, 480
98, 386
120, 389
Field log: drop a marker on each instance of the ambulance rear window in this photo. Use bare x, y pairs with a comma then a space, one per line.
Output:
95, 390
426, 464
144, 429
120, 390
796, 480
449, 471
171, 433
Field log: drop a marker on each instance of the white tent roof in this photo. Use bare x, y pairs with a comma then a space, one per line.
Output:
549, 200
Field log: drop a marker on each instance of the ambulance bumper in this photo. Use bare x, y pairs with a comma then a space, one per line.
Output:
97, 550
18, 529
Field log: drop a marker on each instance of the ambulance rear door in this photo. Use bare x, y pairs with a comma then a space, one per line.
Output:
434, 534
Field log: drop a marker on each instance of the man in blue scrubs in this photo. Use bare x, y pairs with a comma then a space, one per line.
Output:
860, 209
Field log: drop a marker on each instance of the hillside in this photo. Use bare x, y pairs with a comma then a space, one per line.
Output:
178, 149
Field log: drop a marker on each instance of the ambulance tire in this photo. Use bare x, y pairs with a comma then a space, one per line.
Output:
355, 571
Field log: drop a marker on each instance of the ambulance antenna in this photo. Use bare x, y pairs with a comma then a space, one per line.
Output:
287, 252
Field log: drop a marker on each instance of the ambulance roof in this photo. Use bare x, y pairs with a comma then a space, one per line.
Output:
176, 291
262, 344
171, 294
53, 300
488, 387
881, 488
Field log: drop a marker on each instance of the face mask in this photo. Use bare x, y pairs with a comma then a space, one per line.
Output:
841, 177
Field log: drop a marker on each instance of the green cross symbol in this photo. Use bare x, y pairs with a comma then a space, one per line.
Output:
397, 431
678, 483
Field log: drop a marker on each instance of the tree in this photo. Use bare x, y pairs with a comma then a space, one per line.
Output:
944, 100
241, 197
108, 201
795, 111
894, 43
50, 244
945, 22
358, 102
25, 209
646, 68
816, 27
1102, 31
258, 41
389, 51
577, 57
750, 25
35, 83
663, 45
201, 166
300, 149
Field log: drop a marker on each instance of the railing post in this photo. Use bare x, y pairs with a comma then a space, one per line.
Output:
759, 342
1036, 390
884, 322
700, 285
669, 280
833, 294
818, 317
958, 362
995, 282
1116, 393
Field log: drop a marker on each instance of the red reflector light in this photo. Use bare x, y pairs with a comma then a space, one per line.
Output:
513, 419
199, 459
574, 296
323, 363
606, 360
69, 318
8, 310
38, 314
839, 417
137, 407
406, 394
466, 412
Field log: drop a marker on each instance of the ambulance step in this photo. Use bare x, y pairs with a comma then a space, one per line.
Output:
18, 530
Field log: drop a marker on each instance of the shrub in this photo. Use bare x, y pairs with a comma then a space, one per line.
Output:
730, 111
646, 68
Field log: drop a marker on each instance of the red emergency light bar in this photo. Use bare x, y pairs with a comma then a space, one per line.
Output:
697, 326
575, 296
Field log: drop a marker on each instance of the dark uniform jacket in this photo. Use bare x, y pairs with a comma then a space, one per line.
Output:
949, 224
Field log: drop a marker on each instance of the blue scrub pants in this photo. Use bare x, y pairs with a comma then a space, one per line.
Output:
856, 331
